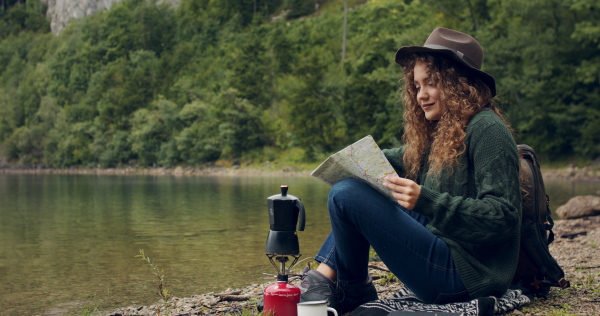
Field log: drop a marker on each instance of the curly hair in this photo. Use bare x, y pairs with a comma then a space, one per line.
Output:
464, 95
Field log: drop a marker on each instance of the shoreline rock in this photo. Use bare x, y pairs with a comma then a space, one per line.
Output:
580, 206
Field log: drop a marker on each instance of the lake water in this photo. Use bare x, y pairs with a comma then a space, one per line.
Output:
70, 240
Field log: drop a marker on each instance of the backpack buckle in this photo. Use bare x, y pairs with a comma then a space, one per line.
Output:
563, 283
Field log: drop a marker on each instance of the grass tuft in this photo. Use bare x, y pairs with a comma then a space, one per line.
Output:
163, 292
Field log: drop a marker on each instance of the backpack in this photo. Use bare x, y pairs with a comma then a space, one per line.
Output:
537, 271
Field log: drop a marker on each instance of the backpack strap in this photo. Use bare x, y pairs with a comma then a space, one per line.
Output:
549, 224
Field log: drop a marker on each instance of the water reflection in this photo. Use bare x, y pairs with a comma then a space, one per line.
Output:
560, 190
72, 238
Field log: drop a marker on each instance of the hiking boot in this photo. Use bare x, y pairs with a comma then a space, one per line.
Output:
352, 295
317, 287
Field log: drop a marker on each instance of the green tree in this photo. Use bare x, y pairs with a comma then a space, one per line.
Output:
242, 11
251, 70
369, 96
7, 122
17, 17
25, 144
70, 145
199, 141
313, 111
151, 128
219, 80
141, 80
112, 149
469, 15
299, 8
240, 126
535, 51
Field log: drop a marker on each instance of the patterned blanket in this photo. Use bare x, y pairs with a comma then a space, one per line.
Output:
405, 300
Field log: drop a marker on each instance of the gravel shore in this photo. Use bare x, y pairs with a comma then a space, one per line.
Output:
576, 248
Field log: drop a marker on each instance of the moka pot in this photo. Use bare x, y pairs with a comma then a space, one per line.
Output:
285, 213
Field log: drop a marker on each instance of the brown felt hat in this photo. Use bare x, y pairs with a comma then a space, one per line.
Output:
457, 46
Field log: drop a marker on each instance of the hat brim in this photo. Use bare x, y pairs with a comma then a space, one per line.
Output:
404, 53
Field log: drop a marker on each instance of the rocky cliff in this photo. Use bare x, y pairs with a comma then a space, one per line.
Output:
61, 12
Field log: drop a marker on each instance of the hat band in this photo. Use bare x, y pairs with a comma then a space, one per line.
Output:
458, 53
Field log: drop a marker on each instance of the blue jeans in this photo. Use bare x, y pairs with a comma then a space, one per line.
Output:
362, 217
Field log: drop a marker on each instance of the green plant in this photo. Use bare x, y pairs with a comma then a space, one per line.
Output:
561, 313
89, 310
388, 278
373, 256
565, 306
163, 292
531, 310
590, 282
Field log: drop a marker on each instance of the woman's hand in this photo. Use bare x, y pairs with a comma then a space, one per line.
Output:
404, 190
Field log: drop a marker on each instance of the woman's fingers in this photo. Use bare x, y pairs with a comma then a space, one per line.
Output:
404, 190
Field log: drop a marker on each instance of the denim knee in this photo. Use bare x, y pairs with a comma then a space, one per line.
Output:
349, 189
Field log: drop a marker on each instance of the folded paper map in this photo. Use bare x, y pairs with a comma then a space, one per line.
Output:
362, 160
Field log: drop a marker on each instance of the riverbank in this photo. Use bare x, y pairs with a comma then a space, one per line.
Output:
575, 248
589, 173
165, 171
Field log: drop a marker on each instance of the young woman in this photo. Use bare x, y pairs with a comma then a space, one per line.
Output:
453, 232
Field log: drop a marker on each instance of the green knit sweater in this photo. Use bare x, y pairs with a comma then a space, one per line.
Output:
477, 209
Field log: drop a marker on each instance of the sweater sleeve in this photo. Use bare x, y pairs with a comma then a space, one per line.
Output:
395, 157
492, 212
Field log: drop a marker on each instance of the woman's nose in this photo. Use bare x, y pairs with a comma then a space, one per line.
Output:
422, 94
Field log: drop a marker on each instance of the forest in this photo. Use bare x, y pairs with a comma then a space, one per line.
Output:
147, 84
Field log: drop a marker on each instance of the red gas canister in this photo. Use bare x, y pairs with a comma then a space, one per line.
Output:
280, 298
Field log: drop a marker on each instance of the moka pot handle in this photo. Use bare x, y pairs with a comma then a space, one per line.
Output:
302, 215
